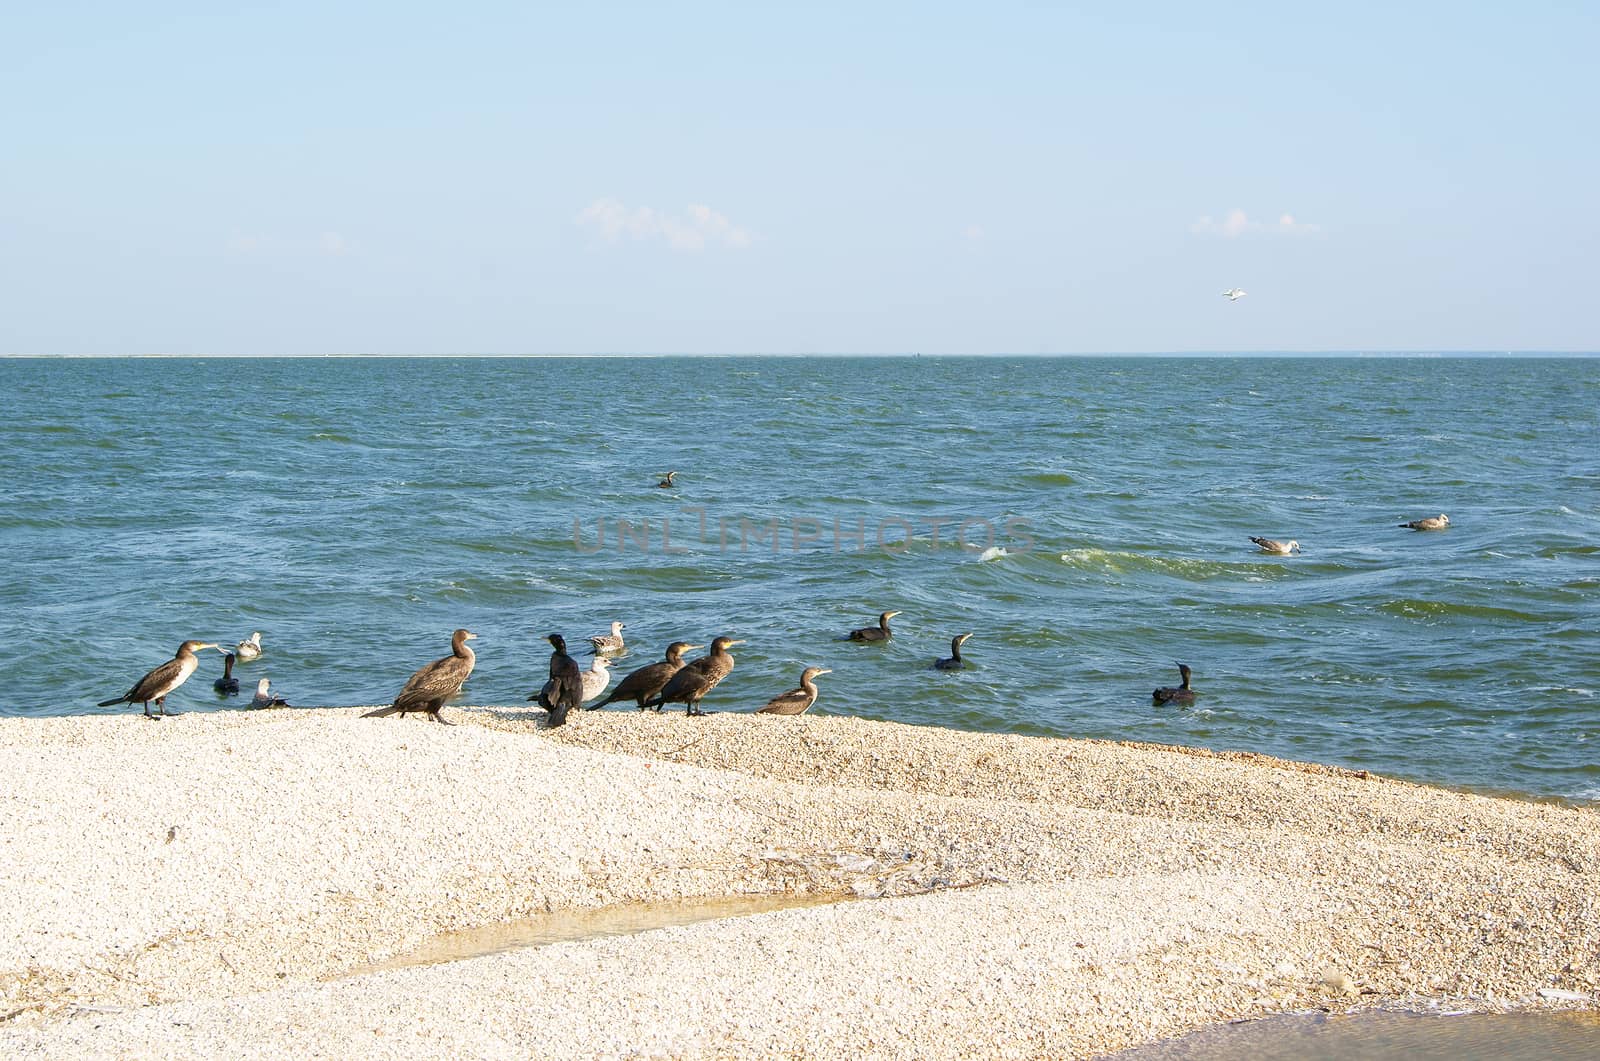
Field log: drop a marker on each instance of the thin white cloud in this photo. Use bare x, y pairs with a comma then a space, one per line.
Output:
1237, 223
695, 229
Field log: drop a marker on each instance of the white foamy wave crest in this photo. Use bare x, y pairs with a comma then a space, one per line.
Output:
994, 552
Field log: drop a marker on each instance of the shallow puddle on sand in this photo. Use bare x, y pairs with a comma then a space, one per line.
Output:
563, 926
1413, 1036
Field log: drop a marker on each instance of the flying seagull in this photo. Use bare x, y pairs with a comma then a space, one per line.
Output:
1234, 294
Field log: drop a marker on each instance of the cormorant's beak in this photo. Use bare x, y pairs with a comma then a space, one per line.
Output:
739, 642
825, 670
208, 645
688, 647
893, 614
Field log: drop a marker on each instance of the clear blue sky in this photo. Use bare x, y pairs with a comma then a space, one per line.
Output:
513, 178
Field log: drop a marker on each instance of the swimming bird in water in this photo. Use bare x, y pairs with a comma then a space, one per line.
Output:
881, 632
697, 678
594, 682
1439, 522
609, 644
263, 698
159, 683
1234, 294
955, 661
565, 687
666, 481
227, 685
1180, 695
648, 681
431, 686
1277, 548
249, 648
796, 701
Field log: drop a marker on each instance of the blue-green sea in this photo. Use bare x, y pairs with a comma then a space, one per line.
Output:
1087, 518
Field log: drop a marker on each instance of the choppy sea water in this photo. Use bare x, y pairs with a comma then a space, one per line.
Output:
1086, 518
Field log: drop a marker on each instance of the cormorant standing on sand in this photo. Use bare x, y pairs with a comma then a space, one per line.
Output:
796, 701
159, 683
1180, 695
431, 686
227, 685
881, 632
609, 644
649, 680
595, 680
666, 482
565, 688
955, 661
697, 678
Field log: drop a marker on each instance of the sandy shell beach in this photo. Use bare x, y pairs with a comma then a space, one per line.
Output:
213, 885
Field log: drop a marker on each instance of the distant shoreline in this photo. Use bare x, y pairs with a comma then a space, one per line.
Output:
1321, 355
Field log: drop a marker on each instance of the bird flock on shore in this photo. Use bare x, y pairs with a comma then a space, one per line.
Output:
672, 680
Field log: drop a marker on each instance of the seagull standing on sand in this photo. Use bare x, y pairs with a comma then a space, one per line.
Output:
1277, 548
159, 683
1234, 294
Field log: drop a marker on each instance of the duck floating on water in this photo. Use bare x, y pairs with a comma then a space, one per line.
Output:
227, 685
1182, 694
955, 661
881, 632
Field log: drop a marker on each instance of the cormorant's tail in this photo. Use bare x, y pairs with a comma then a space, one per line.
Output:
113, 700
382, 711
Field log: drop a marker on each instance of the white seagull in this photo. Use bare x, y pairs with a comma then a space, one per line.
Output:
1234, 294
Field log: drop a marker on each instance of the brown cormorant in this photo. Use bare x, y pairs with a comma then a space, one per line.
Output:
881, 632
227, 685
249, 648
1277, 548
954, 662
431, 686
648, 681
697, 678
666, 482
1439, 522
1180, 695
609, 644
795, 701
263, 698
564, 691
159, 683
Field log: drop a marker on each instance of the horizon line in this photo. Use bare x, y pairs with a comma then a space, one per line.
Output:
1375, 353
